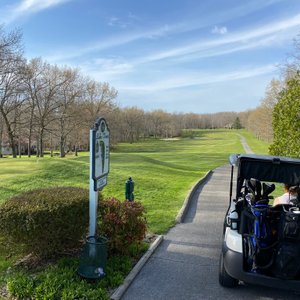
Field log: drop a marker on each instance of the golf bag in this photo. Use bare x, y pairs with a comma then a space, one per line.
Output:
258, 242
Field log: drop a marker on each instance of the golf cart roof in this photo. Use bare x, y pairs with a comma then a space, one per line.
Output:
267, 168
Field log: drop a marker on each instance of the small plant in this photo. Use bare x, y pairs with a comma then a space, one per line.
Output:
21, 285
61, 281
123, 223
47, 221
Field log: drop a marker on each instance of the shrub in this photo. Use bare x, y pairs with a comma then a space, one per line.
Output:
123, 223
46, 221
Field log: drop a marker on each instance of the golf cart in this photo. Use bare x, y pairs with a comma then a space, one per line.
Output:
261, 242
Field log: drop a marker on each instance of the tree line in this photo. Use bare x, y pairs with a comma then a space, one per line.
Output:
45, 107
277, 118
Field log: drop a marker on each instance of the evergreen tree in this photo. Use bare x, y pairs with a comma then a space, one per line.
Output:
237, 123
286, 121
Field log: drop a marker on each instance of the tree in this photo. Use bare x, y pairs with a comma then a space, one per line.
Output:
1, 134
98, 99
267, 105
259, 120
66, 113
43, 86
133, 121
286, 121
33, 88
237, 123
11, 80
160, 123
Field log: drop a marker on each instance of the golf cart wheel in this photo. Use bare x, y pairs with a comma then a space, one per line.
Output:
224, 278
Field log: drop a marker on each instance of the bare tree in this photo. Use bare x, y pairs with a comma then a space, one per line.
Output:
99, 100
160, 123
67, 113
259, 120
133, 120
44, 82
1, 135
11, 81
33, 87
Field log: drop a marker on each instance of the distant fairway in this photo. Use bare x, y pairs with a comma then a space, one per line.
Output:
163, 170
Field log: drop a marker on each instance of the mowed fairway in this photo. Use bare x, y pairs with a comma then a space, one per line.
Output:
163, 171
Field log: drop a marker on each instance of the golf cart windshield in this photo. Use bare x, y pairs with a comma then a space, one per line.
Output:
265, 168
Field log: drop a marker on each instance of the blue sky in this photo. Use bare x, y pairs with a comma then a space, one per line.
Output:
179, 56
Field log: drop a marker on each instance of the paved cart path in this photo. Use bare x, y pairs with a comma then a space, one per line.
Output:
245, 145
185, 265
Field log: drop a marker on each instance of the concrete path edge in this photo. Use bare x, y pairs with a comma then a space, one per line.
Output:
136, 269
189, 196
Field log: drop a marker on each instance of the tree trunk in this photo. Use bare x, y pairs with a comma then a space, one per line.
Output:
41, 154
12, 144
29, 146
37, 147
1, 135
51, 145
10, 136
19, 146
76, 151
62, 147
30, 135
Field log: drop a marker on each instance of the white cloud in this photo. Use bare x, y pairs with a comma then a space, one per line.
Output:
36, 5
267, 35
273, 32
198, 79
111, 68
112, 21
117, 22
27, 7
118, 40
219, 30
112, 65
123, 22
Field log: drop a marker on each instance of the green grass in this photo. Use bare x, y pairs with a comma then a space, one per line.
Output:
60, 281
257, 146
163, 171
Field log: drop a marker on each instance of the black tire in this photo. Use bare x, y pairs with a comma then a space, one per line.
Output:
224, 227
224, 278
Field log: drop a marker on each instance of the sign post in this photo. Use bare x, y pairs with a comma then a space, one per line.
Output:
99, 167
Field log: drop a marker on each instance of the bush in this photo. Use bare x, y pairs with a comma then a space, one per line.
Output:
123, 223
46, 221
286, 121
